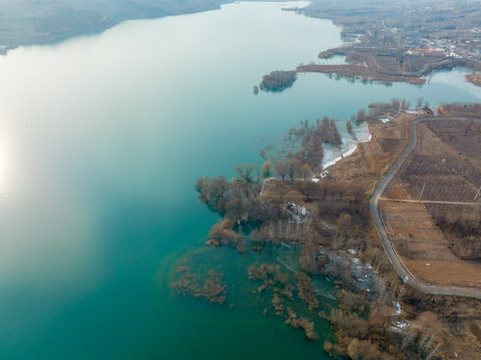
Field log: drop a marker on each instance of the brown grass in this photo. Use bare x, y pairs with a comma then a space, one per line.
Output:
368, 163
358, 71
474, 79
446, 166
419, 242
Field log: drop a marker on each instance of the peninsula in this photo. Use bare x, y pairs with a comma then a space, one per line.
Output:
382, 224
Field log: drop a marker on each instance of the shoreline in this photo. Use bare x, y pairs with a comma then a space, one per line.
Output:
474, 79
11, 41
36, 37
378, 53
362, 72
347, 152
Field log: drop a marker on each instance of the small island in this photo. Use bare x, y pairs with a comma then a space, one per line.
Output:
278, 80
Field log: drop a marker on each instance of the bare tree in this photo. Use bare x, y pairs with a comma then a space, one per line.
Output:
308, 189
357, 192
245, 172
305, 171
293, 166
282, 168
262, 154
361, 115
396, 104
350, 129
419, 102
267, 169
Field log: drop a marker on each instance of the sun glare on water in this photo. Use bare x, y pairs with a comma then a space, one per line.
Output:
3, 163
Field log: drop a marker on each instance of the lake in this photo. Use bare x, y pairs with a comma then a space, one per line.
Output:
101, 139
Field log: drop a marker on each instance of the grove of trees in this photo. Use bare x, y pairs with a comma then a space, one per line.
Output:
278, 80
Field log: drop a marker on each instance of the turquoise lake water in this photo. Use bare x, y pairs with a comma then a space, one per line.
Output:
101, 139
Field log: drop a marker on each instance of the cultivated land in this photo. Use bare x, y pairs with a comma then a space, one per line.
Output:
413, 225
437, 182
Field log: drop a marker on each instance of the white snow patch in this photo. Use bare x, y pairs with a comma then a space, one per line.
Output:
352, 251
290, 5
398, 307
385, 120
316, 180
299, 209
400, 325
363, 136
302, 210
299, 212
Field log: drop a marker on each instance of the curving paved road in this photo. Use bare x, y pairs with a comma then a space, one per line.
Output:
403, 271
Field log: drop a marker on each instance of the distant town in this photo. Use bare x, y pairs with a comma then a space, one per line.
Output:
388, 42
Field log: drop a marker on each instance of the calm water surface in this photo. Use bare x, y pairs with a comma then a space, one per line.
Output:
101, 139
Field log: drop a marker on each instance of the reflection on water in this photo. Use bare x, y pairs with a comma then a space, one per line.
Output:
288, 255
101, 140
3, 162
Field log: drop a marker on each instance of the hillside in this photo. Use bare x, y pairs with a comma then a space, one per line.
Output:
25, 22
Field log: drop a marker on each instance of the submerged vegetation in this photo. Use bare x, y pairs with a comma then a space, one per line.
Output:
212, 288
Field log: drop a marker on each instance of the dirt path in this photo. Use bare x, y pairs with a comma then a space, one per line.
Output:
377, 197
433, 202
